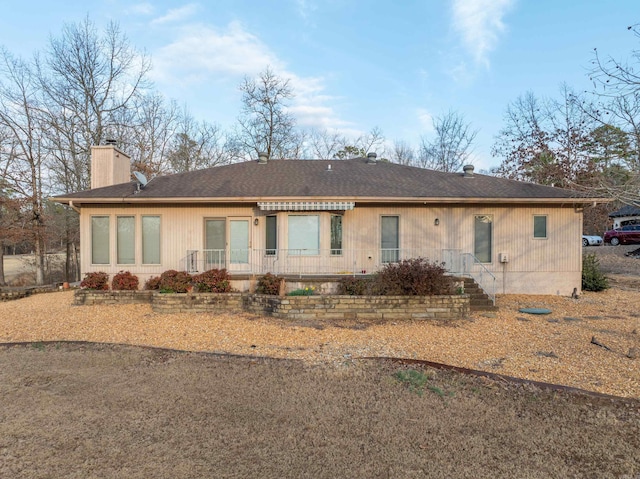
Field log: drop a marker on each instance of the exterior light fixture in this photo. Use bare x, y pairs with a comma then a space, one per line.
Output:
255, 222
436, 222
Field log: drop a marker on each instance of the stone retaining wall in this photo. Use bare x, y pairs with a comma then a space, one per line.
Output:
330, 307
20, 293
89, 297
196, 302
359, 307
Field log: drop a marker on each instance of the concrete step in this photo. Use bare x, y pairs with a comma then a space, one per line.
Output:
478, 299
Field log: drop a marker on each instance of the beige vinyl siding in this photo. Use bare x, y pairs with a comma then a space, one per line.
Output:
181, 230
544, 266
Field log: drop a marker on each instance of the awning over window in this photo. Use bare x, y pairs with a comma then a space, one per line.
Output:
306, 205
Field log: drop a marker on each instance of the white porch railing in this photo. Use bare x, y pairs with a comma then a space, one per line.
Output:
313, 261
309, 262
473, 268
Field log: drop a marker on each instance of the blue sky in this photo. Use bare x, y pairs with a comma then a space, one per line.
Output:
358, 64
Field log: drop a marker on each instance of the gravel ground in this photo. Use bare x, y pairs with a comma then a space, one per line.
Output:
555, 348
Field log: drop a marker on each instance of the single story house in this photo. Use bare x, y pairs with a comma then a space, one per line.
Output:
627, 215
329, 217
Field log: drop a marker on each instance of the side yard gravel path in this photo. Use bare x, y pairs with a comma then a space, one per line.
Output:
555, 348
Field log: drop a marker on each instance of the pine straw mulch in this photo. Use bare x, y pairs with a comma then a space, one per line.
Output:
555, 348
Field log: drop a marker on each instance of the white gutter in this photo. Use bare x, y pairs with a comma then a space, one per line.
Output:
377, 199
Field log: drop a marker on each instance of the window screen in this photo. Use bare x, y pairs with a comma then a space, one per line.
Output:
304, 234
336, 234
539, 226
389, 239
126, 240
482, 243
100, 240
151, 240
271, 243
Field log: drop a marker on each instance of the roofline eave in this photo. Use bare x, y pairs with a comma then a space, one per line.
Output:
358, 199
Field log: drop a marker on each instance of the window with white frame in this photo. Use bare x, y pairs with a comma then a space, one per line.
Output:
483, 230
125, 239
304, 234
151, 240
539, 226
336, 234
100, 240
390, 239
271, 240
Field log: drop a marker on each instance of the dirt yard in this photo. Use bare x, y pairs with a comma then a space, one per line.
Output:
101, 410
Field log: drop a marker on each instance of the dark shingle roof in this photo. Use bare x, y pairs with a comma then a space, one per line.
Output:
626, 210
354, 178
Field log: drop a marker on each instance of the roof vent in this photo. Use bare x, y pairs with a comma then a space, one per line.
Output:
329, 168
468, 171
263, 157
371, 158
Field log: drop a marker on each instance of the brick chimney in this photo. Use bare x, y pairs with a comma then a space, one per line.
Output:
109, 166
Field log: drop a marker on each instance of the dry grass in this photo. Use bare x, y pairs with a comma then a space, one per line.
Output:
79, 411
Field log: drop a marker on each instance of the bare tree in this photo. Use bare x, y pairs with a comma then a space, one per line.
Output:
546, 141
402, 153
21, 119
196, 145
86, 79
371, 142
324, 144
613, 77
452, 145
265, 125
617, 85
145, 131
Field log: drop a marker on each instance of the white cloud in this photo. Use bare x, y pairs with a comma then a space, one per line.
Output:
144, 8
480, 22
202, 54
176, 14
425, 119
201, 51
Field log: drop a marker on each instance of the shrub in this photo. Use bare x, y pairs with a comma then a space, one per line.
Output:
268, 284
413, 277
593, 279
98, 281
414, 380
124, 281
173, 281
308, 291
213, 281
354, 286
152, 283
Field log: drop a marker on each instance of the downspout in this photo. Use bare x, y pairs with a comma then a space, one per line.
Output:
74, 208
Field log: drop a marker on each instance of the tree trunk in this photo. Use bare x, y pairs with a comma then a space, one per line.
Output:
2, 280
39, 256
